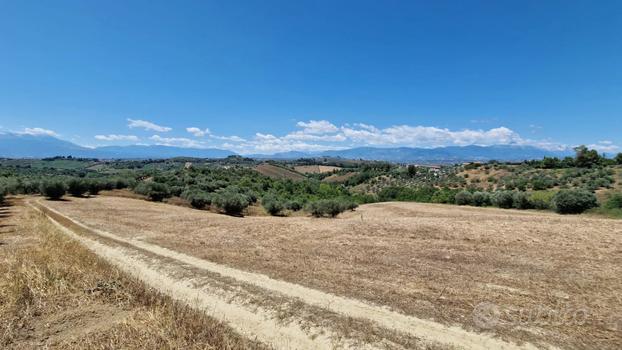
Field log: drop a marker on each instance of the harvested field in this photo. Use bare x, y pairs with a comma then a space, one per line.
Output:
316, 169
277, 172
56, 294
549, 278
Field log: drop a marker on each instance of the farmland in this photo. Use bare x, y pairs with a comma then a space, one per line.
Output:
432, 262
313, 254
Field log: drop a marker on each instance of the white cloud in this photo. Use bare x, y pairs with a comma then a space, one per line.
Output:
177, 142
228, 138
113, 137
323, 135
604, 146
317, 127
198, 132
428, 136
320, 135
147, 125
300, 135
38, 132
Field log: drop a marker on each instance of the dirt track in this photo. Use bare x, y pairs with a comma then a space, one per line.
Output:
179, 275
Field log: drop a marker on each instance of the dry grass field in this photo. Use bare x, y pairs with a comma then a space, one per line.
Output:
316, 169
277, 172
552, 279
56, 294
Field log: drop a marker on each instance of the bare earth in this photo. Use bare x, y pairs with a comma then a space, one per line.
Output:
316, 169
550, 279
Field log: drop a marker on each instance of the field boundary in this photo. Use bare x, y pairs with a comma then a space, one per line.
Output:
423, 329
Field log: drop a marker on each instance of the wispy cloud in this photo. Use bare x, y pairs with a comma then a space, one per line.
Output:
177, 142
604, 146
147, 125
38, 132
113, 137
317, 127
198, 132
318, 135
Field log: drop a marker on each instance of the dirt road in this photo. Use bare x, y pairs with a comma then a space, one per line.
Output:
281, 314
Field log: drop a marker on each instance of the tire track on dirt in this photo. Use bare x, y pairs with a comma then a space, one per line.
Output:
426, 330
253, 323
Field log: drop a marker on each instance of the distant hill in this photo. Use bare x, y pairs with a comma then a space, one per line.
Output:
451, 154
29, 146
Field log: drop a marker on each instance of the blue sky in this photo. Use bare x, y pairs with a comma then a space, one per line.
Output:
269, 76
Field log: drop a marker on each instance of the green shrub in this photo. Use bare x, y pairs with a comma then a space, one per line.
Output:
522, 200
53, 189
154, 190
542, 199
480, 199
349, 205
95, 186
444, 195
614, 201
272, 204
293, 205
198, 199
503, 199
121, 183
231, 201
574, 201
326, 207
77, 187
464, 198
3, 192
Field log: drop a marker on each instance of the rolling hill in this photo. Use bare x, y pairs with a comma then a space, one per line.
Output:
29, 146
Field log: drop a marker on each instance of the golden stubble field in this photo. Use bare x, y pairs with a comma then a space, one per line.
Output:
525, 276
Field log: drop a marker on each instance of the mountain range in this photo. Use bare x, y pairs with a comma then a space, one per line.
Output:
31, 146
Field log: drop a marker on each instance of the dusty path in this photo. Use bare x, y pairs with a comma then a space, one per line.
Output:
196, 281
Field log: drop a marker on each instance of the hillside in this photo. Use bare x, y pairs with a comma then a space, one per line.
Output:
277, 172
28, 146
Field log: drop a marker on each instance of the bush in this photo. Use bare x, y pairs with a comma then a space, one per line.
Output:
464, 198
522, 201
198, 199
53, 189
326, 207
272, 204
77, 187
444, 195
350, 205
231, 201
503, 199
154, 190
574, 201
293, 205
94, 186
3, 192
121, 183
614, 201
480, 199
542, 199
